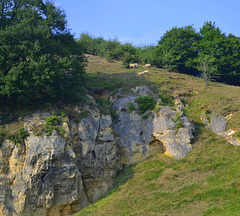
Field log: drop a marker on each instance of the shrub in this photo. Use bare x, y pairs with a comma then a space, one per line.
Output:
178, 118
131, 106
103, 105
145, 116
61, 113
208, 118
4, 118
145, 103
113, 113
51, 120
166, 98
22, 133
62, 132
208, 111
49, 129
18, 136
179, 124
84, 114
238, 134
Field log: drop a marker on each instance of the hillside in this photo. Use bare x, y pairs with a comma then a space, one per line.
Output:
206, 182
104, 76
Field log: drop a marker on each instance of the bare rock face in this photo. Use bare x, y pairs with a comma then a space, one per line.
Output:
139, 137
58, 174
217, 123
54, 174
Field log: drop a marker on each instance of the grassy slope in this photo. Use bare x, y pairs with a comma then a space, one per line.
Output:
206, 182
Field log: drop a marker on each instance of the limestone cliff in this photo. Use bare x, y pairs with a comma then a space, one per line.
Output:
55, 173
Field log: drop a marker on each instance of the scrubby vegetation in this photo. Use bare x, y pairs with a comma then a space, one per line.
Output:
16, 135
145, 103
166, 98
44, 62
131, 106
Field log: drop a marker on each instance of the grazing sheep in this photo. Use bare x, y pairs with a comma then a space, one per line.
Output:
135, 65
131, 66
143, 73
140, 74
147, 65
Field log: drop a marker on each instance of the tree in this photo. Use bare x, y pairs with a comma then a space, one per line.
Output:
129, 54
177, 49
224, 50
146, 54
40, 59
205, 64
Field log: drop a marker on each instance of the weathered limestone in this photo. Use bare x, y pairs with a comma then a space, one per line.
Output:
58, 174
135, 134
217, 124
55, 175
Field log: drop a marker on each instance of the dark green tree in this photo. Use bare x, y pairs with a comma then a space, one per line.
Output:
39, 58
177, 49
110, 49
224, 50
130, 54
146, 54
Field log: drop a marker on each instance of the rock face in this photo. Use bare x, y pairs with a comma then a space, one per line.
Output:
139, 137
58, 174
217, 124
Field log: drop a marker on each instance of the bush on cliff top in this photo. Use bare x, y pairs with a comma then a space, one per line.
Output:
145, 103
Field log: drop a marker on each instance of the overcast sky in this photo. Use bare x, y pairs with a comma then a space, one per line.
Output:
143, 22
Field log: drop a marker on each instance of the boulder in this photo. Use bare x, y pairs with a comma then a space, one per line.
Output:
217, 123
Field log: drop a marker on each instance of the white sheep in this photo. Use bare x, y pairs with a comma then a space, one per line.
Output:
143, 73
146, 72
140, 74
147, 65
135, 65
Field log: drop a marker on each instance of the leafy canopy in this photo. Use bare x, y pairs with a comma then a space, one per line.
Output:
39, 58
177, 49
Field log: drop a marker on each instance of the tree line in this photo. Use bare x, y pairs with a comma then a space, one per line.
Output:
40, 60
209, 53
112, 49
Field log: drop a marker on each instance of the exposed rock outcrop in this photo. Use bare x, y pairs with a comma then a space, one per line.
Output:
58, 175
54, 173
136, 134
217, 124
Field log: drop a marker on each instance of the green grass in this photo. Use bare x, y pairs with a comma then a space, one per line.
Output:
103, 75
206, 182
